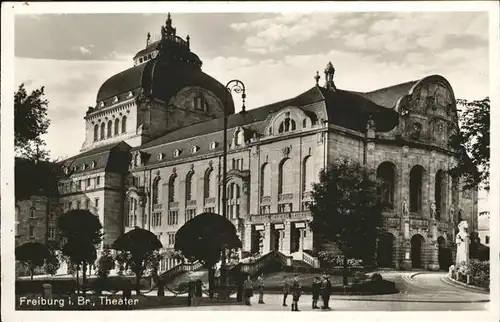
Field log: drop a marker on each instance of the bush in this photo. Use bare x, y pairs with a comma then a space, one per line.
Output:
479, 272
376, 277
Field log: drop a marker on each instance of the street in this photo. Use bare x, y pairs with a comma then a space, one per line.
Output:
424, 291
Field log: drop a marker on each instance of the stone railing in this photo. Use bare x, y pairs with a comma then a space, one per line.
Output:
179, 269
158, 207
191, 203
256, 267
265, 200
420, 223
281, 217
210, 201
174, 204
311, 260
285, 197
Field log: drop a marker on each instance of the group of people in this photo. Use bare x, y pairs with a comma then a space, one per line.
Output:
320, 287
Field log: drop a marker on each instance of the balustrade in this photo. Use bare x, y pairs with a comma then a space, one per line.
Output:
210, 201
281, 217
158, 207
191, 203
285, 197
174, 204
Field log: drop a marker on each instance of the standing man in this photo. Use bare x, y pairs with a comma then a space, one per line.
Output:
326, 290
316, 290
286, 289
247, 290
260, 284
296, 292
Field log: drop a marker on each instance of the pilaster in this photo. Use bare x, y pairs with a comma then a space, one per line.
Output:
247, 237
267, 238
287, 239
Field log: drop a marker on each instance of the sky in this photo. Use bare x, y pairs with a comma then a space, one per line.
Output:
275, 55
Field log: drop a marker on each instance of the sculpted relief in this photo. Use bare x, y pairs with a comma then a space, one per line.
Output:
434, 98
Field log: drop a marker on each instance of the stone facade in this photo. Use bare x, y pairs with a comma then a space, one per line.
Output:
171, 171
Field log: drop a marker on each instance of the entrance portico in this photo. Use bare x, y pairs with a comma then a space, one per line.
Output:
288, 233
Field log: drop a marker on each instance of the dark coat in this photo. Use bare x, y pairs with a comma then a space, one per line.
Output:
296, 289
316, 287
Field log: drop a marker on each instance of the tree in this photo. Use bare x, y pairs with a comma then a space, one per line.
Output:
472, 143
138, 249
203, 238
52, 263
347, 210
30, 123
32, 254
82, 231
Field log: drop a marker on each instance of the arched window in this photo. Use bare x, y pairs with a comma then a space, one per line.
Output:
155, 191
189, 185
307, 174
171, 188
117, 126
207, 184
440, 189
416, 180
287, 125
32, 212
103, 130
96, 132
233, 193
265, 180
110, 128
285, 184
124, 124
386, 173
237, 138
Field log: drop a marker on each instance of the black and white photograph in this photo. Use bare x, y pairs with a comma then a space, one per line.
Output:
264, 157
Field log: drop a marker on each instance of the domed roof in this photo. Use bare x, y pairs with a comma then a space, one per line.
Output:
172, 67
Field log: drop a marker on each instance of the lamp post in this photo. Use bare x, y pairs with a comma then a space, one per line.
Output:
238, 87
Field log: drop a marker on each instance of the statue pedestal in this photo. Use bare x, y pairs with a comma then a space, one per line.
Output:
406, 265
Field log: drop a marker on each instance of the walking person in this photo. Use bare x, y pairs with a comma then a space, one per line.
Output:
296, 292
247, 290
286, 289
326, 290
260, 285
316, 290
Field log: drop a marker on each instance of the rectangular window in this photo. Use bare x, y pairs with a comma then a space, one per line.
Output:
265, 209
285, 207
233, 163
97, 181
79, 184
209, 209
87, 203
190, 213
171, 239
31, 231
487, 240
156, 219
78, 204
52, 233
173, 217
88, 183
96, 202
52, 215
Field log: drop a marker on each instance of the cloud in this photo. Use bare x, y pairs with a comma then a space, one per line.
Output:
84, 50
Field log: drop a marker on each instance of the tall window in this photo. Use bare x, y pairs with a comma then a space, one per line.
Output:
110, 128
265, 180
103, 130
440, 189
287, 125
307, 174
96, 132
189, 185
233, 204
155, 191
131, 219
207, 184
285, 184
416, 180
32, 212
124, 124
386, 173
173, 217
171, 188
117, 126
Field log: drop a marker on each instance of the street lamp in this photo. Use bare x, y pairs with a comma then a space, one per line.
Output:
238, 87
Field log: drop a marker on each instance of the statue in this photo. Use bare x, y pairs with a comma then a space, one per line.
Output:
370, 125
406, 210
433, 210
462, 240
451, 216
241, 137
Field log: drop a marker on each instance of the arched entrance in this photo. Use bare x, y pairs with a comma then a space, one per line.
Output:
385, 246
444, 254
417, 242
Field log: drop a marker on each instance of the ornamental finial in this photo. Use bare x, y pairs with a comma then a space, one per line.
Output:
317, 77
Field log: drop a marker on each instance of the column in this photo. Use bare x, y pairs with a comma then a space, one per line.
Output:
247, 238
287, 238
267, 238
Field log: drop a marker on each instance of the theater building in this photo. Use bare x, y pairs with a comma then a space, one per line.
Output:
152, 156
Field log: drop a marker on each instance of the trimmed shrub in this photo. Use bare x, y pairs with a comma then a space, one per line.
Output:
376, 277
479, 272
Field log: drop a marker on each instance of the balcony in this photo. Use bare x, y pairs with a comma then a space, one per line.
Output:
307, 195
157, 207
191, 203
281, 217
210, 201
285, 197
173, 204
265, 200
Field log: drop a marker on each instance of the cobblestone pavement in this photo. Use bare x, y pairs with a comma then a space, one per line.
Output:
423, 291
